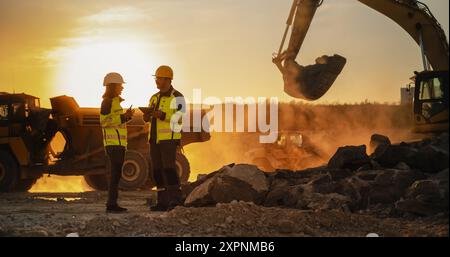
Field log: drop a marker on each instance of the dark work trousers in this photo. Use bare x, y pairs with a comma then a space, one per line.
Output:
116, 156
163, 156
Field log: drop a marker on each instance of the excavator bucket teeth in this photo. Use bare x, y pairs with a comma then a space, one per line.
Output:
313, 81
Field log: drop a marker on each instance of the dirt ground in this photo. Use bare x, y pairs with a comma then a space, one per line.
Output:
58, 214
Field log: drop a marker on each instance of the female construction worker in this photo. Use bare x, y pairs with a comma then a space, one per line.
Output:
113, 121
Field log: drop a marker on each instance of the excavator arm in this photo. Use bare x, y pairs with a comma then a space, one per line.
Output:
313, 81
416, 18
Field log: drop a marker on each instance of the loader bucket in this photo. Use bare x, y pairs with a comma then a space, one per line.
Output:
313, 81
64, 105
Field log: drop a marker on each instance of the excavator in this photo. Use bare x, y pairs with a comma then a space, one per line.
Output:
431, 85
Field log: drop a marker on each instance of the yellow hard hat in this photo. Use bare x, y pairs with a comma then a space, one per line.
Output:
164, 72
113, 78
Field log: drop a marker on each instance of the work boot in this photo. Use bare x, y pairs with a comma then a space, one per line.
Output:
161, 203
174, 197
115, 209
158, 207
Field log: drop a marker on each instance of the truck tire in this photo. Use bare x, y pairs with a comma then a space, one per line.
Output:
150, 183
183, 168
135, 171
9, 172
23, 185
98, 182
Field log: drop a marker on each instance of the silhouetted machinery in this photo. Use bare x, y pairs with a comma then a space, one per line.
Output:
431, 85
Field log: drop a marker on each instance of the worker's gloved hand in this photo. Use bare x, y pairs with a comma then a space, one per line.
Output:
129, 114
147, 116
159, 114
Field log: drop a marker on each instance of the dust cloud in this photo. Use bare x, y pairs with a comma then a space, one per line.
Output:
324, 128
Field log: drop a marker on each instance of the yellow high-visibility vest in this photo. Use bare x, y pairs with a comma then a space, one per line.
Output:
114, 131
170, 127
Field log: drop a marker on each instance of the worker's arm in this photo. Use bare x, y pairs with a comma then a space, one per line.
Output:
151, 105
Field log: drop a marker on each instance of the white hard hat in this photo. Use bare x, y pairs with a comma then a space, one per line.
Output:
113, 77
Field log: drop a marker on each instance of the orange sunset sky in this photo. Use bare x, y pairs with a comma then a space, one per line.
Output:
224, 47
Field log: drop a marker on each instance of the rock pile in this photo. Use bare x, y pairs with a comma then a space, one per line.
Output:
407, 178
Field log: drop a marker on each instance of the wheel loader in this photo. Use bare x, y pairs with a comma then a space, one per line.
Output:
293, 150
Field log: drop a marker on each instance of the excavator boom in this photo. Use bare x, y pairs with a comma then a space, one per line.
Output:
313, 81
416, 19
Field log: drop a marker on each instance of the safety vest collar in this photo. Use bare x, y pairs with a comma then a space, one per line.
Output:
167, 93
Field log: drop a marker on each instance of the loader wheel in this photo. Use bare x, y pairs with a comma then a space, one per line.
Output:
183, 168
98, 182
23, 185
134, 171
149, 183
9, 172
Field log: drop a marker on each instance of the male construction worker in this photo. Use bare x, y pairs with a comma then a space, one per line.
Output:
166, 108
113, 121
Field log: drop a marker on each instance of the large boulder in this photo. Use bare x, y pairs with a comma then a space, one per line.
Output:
351, 157
390, 155
241, 182
323, 184
357, 190
423, 198
431, 159
338, 174
390, 185
189, 187
429, 155
249, 174
426, 189
368, 175
201, 195
298, 177
443, 182
377, 140
441, 141
287, 196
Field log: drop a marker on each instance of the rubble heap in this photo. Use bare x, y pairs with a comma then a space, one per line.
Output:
400, 179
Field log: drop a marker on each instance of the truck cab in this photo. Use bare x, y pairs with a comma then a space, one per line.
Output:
25, 132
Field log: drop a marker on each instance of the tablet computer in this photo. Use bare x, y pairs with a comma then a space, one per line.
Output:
145, 109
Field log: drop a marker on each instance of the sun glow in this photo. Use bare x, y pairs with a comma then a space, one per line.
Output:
83, 67
110, 41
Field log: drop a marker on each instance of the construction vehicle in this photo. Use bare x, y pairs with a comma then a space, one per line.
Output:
431, 85
67, 140
292, 150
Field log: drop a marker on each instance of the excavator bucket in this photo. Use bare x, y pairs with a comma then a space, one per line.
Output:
313, 81
306, 82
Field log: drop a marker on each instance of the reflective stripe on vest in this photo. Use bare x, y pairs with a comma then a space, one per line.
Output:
163, 127
114, 131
